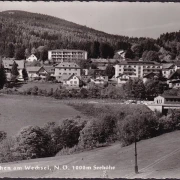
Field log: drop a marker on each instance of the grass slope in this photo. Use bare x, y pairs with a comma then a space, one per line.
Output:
157, 157
20, 111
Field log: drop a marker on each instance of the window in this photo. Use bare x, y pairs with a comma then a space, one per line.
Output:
75, 82
60, 73
65, 69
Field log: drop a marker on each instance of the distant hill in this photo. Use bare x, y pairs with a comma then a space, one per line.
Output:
21, 29
23, 33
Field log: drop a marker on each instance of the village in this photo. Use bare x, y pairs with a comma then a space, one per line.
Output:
89, 90
62, 67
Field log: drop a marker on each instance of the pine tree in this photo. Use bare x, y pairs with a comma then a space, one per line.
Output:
2, 75
14, 71
25, 74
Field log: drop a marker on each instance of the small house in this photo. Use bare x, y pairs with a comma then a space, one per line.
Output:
35, 71
31, 58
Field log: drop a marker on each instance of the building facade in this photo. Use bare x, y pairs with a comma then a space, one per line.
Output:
137, 69
66, 55
66, 69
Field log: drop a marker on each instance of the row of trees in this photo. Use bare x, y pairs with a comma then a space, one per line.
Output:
136, 88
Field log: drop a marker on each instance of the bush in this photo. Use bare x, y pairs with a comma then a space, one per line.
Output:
34, 90
3, 135
54, 132
108, 131
70, 130
138, 126
90, 135
31, 142
7, 154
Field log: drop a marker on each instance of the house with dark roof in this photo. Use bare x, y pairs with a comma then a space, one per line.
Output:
149, 76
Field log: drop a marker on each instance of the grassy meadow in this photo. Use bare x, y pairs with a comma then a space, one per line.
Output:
20, 111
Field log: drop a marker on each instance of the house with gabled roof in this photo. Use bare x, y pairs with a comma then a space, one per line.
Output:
168, 69
122, 79
72, 81
31, 58
149, 76
36, 71
172, 79
99, 79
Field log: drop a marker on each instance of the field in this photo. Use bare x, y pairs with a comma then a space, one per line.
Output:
20, 111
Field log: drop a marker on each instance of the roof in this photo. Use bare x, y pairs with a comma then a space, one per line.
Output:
9, 62
49, 68
169, 97
20, 63
149, 75
67, 77
167, 66
138, 63
101, 60
33, 68
176, 72
102, 68
175, 81
31, 56
67, 65
67, 50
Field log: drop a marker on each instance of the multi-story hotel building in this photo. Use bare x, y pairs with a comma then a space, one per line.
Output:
136, 69
66, 55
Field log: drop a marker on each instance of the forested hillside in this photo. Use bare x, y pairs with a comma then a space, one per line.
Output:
23, 33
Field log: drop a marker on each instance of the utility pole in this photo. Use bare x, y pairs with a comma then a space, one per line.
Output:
136, 166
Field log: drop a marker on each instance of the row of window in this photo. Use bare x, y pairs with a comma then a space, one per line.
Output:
132, 66
67, 73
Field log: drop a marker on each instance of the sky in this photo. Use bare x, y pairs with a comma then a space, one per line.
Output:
137, 19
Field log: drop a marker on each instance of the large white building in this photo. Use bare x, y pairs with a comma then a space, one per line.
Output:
136, 69
66, 55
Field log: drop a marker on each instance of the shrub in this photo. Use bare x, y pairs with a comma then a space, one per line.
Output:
54, 132
7, 154
50, 93
3, 135
108, 130
28, 91
70, 130
31, 142
89, 136
138, 126
34, 90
